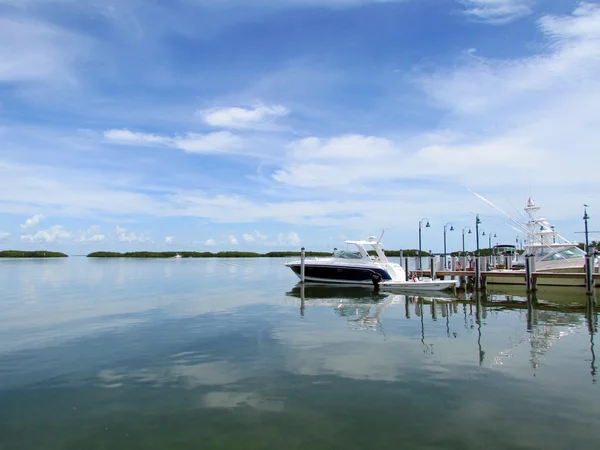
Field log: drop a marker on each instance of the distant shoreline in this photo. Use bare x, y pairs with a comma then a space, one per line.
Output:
31, 254
190, 254
409, 253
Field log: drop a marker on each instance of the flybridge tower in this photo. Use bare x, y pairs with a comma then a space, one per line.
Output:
540, 232
531, 207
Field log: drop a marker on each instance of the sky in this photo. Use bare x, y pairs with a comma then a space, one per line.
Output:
263, 125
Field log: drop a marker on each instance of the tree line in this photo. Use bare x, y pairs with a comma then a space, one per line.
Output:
31, 254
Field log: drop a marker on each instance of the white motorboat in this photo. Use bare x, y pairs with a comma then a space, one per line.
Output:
356, 266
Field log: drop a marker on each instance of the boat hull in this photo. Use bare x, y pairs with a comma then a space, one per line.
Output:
322, 273
418, 286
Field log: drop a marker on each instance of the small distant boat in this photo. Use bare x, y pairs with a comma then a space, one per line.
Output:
358, 267
177, 256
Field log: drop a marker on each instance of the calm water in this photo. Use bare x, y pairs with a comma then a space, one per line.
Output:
225, 354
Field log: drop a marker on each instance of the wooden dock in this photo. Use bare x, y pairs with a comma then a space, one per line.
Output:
516, 277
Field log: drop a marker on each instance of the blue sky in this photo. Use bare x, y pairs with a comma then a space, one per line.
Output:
265, 125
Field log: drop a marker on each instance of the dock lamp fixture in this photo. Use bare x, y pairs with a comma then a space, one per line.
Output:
477, 222
451, 229
463, 237
426, 220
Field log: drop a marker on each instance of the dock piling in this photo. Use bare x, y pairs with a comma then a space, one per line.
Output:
302, 258
477, 273
530, 280
589, 270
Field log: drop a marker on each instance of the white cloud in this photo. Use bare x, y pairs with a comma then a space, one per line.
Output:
51, 234
338, 162
255, 236
125, 136
4, 235
124, 236
291, 238
90, 236
260, 236
169, 239
497, 11
218, 142
32, 221
259, 117
233, 240
534, 111
210, 242
222, 141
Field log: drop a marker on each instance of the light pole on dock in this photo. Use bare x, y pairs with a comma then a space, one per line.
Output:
451, 229
490, 239
421, 226
463, 237
585, 221
477, 222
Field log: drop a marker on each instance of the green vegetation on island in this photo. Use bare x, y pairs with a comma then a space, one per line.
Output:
229, 254
31, 254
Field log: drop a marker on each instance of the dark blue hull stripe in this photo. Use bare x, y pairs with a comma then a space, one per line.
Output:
342, 273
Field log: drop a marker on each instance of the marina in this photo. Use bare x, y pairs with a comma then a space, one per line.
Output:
546, 258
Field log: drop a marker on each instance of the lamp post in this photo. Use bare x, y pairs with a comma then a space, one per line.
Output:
490, 239
421, 226
463, 237
477, 222
585, 221
451, 229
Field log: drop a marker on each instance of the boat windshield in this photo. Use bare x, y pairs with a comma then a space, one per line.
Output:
348, 255
567, 253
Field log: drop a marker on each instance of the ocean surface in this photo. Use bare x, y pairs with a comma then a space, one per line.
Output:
232, 354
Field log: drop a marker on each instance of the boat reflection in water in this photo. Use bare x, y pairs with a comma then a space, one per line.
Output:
364, 307
464, 316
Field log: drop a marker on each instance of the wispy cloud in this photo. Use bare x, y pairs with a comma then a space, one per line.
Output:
260, 117
233, 240
123, 235
169, 239
4, 235
497, 11
52, 234
32, 221
210, 242
289, 239
337, 162
90, 236
31, 51
255, 236
248, 237
218, 142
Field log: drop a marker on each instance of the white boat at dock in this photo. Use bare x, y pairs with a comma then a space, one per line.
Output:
357, 267
551, 252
